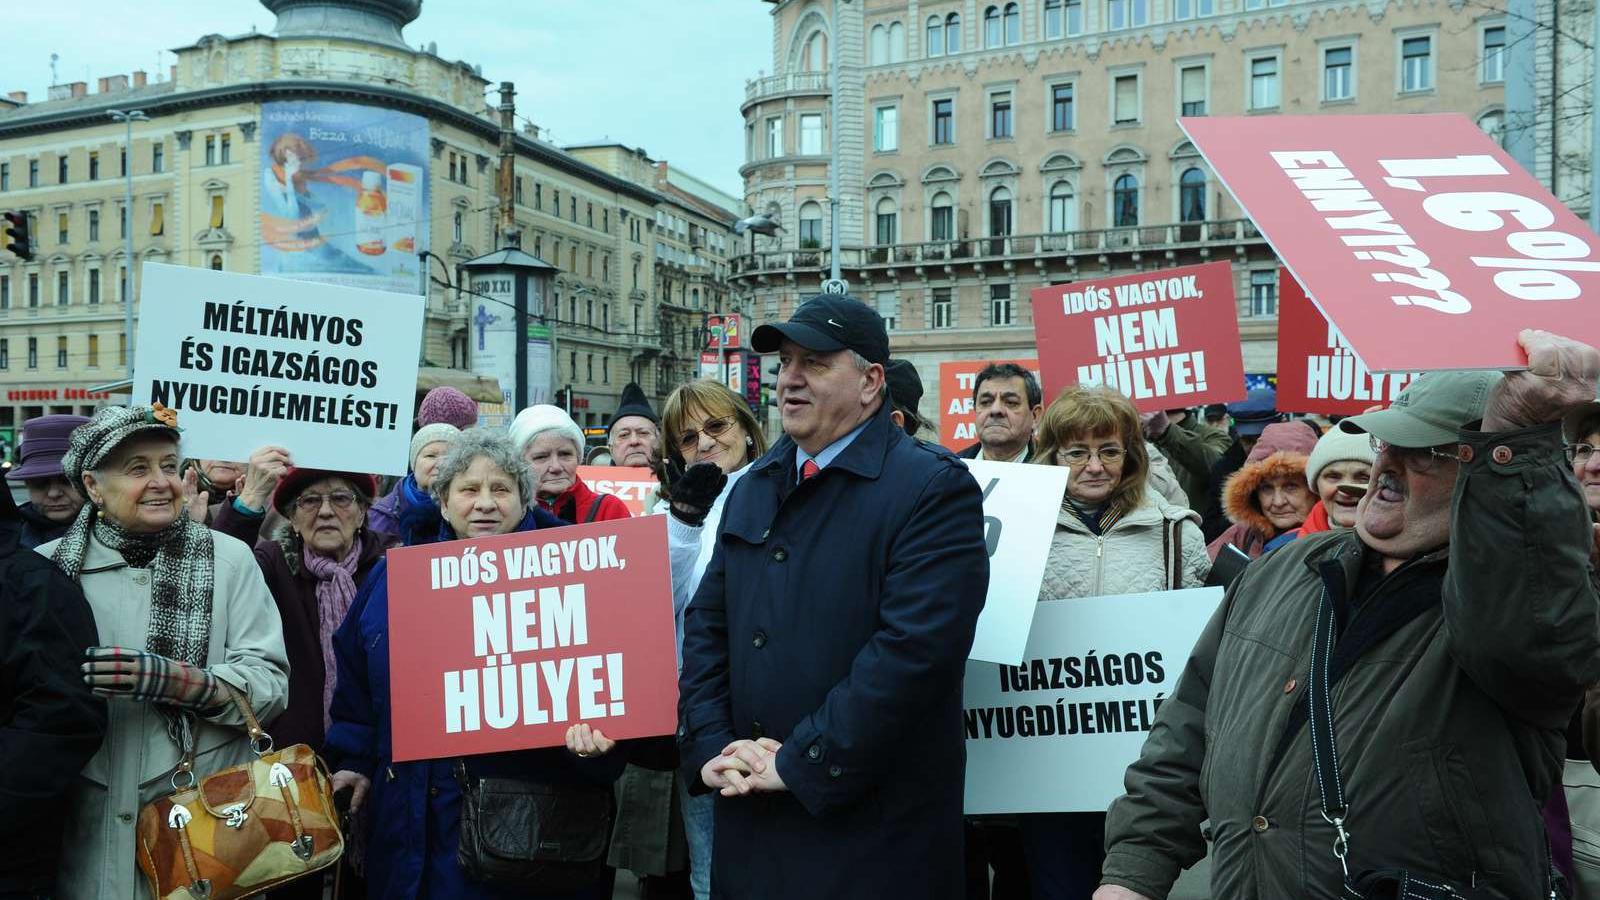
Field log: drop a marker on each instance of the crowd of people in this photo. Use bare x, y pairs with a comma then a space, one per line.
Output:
1380, 707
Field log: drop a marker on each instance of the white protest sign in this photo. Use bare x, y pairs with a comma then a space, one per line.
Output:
328, 372
1020, 502
1056, 733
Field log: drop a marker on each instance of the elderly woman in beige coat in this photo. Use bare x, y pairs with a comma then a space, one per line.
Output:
181, 612
1115, 535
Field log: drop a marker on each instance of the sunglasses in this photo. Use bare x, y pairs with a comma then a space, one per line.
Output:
713, 428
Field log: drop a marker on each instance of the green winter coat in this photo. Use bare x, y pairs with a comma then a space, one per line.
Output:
1450, 730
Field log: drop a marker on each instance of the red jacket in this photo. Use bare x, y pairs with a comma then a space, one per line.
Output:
1316, 520
577, 505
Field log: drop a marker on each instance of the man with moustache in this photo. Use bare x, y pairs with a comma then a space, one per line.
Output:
1006, 405
824, 651
1456, 627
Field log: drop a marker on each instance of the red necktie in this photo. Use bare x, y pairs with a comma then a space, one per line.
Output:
808, 469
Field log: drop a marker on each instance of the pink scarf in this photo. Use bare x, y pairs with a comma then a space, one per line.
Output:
336, 589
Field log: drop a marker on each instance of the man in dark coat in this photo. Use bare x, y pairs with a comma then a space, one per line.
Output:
823, 653
50, 724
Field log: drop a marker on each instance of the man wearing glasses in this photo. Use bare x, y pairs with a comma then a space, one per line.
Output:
1380, 712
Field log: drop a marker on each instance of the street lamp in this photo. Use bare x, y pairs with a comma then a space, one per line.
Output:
128, 118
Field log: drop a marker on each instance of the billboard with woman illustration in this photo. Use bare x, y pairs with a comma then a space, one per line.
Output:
344, 194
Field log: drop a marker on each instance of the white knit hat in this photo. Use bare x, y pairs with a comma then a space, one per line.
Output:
1334, 446
536, 420
427, 434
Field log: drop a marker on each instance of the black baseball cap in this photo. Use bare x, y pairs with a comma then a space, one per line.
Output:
826, 323
905, 386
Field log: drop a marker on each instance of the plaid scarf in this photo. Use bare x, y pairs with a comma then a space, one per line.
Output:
180, 557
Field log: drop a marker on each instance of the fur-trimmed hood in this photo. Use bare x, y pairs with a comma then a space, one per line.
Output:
1282, 451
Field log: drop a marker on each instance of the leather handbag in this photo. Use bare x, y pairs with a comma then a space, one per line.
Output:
243, 830
525, 834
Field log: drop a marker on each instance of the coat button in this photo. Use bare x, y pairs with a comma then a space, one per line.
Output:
1502, 454
126, 818
760, 640
835, 771
1260, 824
140, 578
1289, 686
1465, 453
433, 792
813, 752
780, 554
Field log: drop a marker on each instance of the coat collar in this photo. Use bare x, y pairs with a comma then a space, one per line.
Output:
864, 457
1347, 549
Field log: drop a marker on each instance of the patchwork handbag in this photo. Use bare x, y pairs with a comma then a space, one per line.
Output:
243, 830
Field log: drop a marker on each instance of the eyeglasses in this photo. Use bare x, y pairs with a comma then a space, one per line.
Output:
341, 500
1079, 456
1421, 460
713, 428
1579, 454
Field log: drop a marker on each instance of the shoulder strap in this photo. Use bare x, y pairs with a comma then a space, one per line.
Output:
1177, 554
594, 509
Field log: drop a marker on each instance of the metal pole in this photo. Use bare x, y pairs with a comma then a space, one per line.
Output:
833, 163
128, 118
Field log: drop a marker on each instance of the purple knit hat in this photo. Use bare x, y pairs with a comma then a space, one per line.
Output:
44, 442
450, 406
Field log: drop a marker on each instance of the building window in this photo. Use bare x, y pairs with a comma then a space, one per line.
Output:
158, 220
122, 222
1000, 115
1264, 82
33, 290
517, 191
589, 367
5, 291
886, 129
62, 168
63, 230
227, 149
33, 353
1062, 117
93, 279
944, 312
1494, 54
999, 304
158, 158
1193, 9
1338, 73
1052, 19
944, 121
878, 46
1416, 63
33, 173
952, 33
1192, 90
887, 221
211, 149
810, 225
5, 353
63, 288
1192, 196
941, 227
888, 306
216, 262
216, 210
992, 33
1493, 124
1062, 202
811, 134
1264, 292
605, 221
1125, 201
816, 53
934, 45
94, 225
1125, 100
125, 290
999, 214
1122, 14
94, 351
774, 137
122, 162
588, 213
94, 167
61, 352
555, 203
1013, 21
122, 350
5, 176
572, 209
457, 227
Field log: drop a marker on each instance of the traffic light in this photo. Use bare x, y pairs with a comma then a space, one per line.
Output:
17, 239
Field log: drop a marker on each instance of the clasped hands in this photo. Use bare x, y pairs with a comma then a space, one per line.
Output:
745, 767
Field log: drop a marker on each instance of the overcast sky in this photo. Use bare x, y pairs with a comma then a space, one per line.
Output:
666, 76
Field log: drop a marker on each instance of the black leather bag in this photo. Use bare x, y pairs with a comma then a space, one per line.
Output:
524, 834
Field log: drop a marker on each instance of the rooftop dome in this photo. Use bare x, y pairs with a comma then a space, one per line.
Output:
378, 21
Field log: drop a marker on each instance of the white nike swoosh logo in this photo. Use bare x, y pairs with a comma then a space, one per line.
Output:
834, 324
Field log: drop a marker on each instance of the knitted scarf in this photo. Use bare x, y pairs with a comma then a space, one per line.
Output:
336, 588
181, 559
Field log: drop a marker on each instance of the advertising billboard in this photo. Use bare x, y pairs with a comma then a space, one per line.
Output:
344, 194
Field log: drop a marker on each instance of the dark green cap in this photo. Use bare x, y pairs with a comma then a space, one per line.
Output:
1430, 411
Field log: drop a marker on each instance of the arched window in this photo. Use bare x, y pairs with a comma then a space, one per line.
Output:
1062, 207
810, 225
935, 42
1013, 19
878, 47
952, 33
991, 27
216, 262
999, 212
1192, 196
887, 221
1125, 201
897, 42
816, 53
942, 225
1494, 125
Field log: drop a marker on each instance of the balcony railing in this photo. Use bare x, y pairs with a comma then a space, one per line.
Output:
788, 83
977, 250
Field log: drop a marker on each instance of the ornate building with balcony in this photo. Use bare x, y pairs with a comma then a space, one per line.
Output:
990, 148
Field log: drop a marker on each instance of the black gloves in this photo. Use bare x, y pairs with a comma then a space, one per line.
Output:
695, 491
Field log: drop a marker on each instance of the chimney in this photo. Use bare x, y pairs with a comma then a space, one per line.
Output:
59, 92
105, 86
114, 84
18, 97
172, 72
140, 78
79, 89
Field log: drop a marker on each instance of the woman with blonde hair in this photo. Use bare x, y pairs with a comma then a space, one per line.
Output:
1114, 535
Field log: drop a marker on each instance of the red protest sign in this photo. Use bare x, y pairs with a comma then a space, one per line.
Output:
957, 378
1167, 339
502, 643
630, 484
1408, 225
1317, 370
